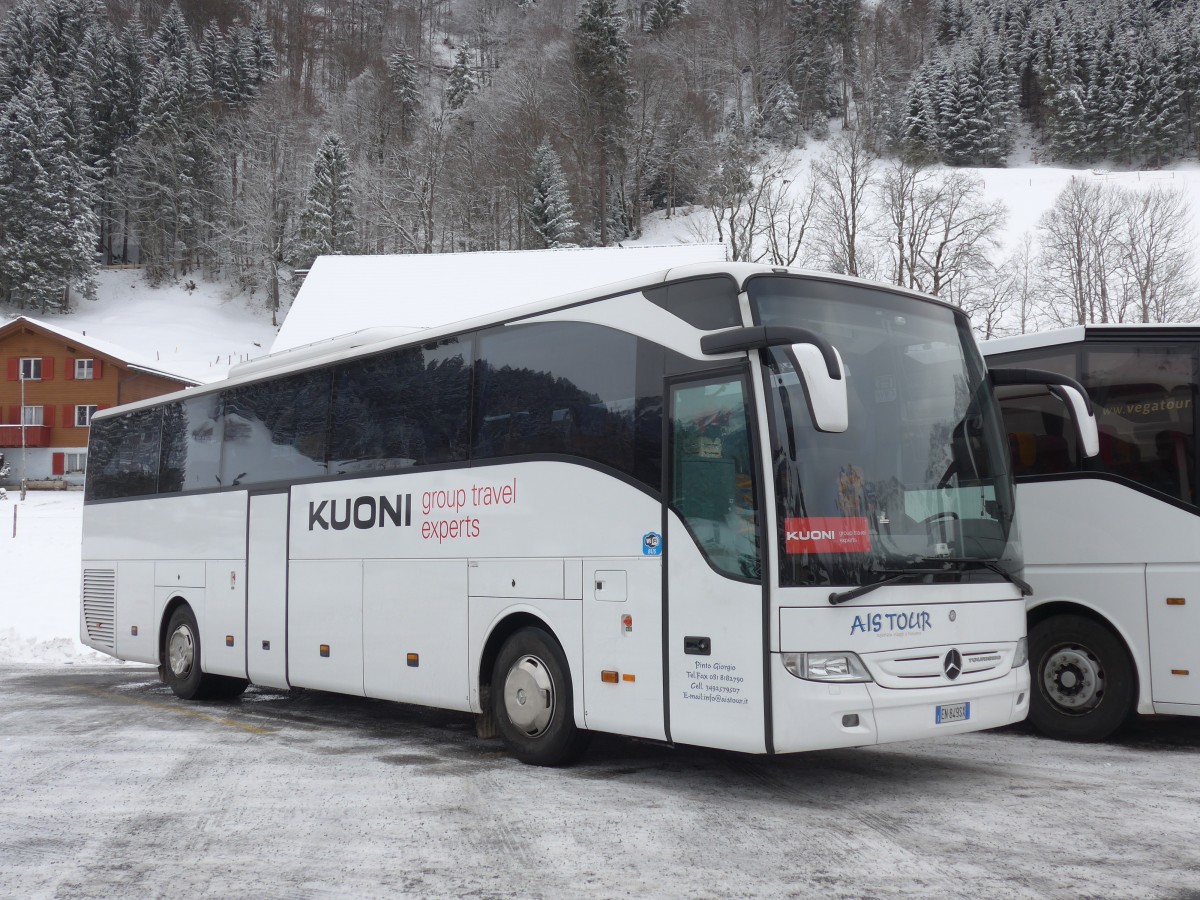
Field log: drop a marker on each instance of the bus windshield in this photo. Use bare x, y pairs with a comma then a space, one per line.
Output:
919, 482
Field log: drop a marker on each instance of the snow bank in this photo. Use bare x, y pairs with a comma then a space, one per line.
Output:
39, 579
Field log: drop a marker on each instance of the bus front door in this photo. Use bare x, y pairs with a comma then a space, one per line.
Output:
716, 629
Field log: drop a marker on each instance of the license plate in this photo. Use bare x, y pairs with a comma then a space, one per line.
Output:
953, 712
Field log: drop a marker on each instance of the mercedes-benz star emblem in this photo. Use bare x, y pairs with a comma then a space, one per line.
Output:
952, 664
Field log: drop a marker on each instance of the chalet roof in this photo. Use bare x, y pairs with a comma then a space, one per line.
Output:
109, 351
343, 294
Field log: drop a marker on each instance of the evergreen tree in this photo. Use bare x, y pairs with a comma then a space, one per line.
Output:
781, 112
46, 200
662, 14
20, 48
920, 134
1066, 123
63, 27
402, 70
977, 108
461, 84
549, 212
212, 58
811, 67
239, 74
601, 59
327, 222
173, 165
172, 39
1157, 106
262, 51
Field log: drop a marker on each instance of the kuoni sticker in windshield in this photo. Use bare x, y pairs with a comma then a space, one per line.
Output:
827, 534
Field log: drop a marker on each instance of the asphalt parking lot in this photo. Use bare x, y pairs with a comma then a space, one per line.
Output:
110, 787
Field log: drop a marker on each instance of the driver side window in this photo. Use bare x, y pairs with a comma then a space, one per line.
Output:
712, 473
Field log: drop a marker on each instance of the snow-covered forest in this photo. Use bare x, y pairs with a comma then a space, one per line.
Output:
240, 139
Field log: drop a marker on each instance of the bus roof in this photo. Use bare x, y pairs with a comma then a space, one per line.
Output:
1119, 331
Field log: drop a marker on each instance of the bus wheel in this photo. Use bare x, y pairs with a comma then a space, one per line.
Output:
532, 700
1083, 684
183, 663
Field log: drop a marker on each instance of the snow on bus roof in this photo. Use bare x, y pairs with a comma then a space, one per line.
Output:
343, 294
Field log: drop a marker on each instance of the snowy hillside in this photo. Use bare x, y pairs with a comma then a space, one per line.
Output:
197, 331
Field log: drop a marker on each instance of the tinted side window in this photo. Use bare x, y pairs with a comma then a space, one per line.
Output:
275, 430
123, 456
704, 303
191, 446
1145, 407
407, 407
559, 388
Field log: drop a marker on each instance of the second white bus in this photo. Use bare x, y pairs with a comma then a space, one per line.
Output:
1112, 542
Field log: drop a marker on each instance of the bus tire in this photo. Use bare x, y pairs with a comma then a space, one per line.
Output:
533, 702
181, 662
1083, 681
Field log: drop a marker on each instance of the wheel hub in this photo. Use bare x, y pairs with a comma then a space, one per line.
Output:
1073, 679
529, 696
181, 651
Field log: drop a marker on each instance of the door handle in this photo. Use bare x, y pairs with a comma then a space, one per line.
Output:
697, 646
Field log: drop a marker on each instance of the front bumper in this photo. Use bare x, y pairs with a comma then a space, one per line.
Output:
809, 715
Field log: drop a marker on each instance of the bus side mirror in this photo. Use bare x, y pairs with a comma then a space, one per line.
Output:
828, 398
816, 362
1066, 389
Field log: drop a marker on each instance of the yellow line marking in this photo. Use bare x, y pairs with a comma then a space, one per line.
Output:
166, 707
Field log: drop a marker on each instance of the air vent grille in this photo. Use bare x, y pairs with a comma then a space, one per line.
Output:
100, 607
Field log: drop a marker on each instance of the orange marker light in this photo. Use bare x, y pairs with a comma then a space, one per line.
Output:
414, 660
1176, 601
628, 677
608, 676
1179, 671
324, 649
229, 640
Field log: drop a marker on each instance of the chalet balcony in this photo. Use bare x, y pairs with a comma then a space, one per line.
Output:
35, 435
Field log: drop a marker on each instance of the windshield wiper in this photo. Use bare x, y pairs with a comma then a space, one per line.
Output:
990, 564
897, 575
946, 563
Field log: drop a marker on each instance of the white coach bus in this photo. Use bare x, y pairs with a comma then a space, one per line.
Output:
1112, 542
671, 510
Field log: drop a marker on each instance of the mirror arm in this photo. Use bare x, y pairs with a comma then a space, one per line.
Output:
759, 337
1001, 377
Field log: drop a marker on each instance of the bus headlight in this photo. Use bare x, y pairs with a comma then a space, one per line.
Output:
839, 667
1022, 655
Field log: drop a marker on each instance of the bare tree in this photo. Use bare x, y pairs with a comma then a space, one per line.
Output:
963, 230
844, 175
789, 212
897, 194
1157, 256
1081, 254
